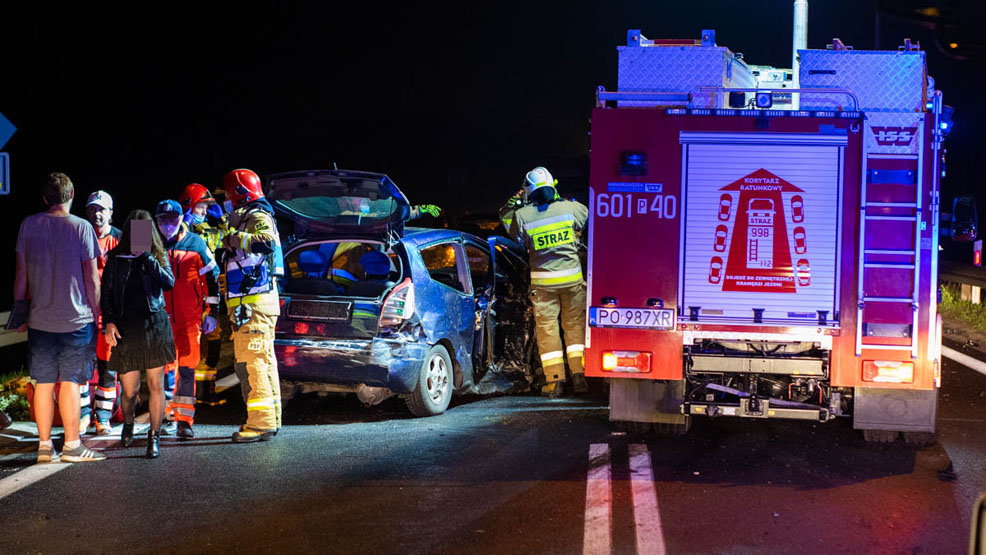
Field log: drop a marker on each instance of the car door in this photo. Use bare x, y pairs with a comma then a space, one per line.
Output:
482, 280
449, 303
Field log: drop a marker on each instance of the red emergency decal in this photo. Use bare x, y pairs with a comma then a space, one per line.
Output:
894, 136
759, 253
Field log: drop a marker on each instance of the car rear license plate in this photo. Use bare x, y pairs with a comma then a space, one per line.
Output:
320, 310
650, 318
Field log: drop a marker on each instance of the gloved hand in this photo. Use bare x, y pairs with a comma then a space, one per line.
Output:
209, 325
517, 199
430, 209
215, 214
188, 218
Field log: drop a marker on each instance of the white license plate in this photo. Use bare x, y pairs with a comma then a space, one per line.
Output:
651, 318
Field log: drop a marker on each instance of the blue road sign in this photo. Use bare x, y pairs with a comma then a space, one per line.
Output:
4, 173
6, 130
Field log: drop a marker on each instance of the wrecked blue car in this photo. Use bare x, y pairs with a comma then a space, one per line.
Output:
371, 307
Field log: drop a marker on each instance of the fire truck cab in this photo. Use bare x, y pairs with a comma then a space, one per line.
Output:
764, 242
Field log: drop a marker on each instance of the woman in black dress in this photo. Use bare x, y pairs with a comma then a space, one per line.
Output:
135, 322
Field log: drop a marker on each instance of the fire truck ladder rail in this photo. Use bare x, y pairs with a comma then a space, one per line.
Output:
880, 218
915, 266
891, 204
890, 265
881, 347
901, 252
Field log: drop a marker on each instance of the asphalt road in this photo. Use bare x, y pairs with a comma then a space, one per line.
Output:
509, 475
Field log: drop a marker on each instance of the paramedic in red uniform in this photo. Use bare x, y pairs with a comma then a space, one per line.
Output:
195, 273
205, 218
99, 209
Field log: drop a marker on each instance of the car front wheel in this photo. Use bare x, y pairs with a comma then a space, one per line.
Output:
434, 390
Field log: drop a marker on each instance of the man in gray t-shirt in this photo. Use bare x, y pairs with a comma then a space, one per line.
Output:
56, 264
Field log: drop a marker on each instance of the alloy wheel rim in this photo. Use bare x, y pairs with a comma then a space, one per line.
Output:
437, 378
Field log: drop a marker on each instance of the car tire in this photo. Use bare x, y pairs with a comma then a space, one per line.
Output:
434, 388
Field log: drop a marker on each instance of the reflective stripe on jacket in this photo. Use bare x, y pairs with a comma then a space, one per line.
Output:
551, 236
255, 256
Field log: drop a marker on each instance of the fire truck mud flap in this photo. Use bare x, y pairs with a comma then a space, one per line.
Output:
895, 410
651, 401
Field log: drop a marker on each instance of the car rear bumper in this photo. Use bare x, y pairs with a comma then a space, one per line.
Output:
390, 363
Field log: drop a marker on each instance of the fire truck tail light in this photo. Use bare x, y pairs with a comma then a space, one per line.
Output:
888, 371
301, 328
626, 361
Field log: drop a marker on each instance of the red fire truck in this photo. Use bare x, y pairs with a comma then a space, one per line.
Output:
764, 242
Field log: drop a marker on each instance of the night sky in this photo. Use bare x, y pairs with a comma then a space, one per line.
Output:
455, 104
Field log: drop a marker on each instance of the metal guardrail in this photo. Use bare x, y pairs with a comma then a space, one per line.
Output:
958, 272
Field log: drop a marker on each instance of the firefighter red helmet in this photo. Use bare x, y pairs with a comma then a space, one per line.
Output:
242, 187
193, 194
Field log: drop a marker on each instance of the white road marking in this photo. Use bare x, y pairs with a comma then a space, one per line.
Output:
598, 503
646, 517
28, 476
964, 359
39, 471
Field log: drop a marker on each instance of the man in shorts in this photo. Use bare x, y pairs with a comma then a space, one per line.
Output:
57, 265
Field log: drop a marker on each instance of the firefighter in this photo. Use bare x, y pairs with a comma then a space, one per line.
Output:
188, 305
550, 229
253, 262
99, 209
205, 218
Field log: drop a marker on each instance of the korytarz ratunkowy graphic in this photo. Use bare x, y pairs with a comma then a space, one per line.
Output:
761, 257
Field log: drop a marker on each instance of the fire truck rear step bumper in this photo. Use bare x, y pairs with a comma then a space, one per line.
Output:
757, 365
764, 411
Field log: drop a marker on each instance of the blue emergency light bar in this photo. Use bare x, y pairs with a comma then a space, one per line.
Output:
761, 113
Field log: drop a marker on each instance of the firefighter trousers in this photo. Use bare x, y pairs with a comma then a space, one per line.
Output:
568, 301
256, 367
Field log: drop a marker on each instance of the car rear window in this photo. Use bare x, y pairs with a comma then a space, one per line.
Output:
358, 268
348, 210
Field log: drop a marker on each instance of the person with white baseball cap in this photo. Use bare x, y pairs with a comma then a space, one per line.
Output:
99, 212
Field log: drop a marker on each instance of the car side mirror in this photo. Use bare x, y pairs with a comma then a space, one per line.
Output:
964, 224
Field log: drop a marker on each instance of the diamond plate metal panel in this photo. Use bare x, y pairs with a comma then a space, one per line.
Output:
680, 69
884, 81
893, 133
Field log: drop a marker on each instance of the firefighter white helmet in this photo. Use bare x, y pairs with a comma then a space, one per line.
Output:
536, 179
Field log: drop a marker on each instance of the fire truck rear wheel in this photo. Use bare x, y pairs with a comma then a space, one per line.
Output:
673, 430
920, 439
633, 430
880, 436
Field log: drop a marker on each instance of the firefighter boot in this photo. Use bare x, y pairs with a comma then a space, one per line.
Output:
185, 430
553, 390
579, 386
249, 435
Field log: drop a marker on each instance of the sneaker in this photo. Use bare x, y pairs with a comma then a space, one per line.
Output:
169, 428
47, 454
81, 454
249, 435
84, 425
185, 431
103, 428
